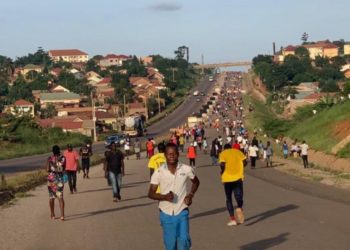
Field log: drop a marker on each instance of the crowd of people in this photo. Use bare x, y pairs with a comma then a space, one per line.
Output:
231, 148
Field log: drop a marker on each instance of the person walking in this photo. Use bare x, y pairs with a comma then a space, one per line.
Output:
127, 148
150, 148
214, 152
85, 153
182, 143
72, 165
253, 154
285, 150
137, 149
205, 145
158, 159
232, 162
55, 166
172, 178
304, 154
191, 155
269, 154
114, 166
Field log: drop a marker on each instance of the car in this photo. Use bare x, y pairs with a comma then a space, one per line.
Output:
119, 140
202, 94
198, 99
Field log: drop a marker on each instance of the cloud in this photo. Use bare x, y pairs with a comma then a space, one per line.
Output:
168, 5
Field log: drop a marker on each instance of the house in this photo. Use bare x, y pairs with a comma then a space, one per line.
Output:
105, 82
21, 108
62, 112
146, 60
322, 49
113, 60
154, 74
59, 89
347, 49
139, 81
346, 70
137, 108
31, 67
93, 78
103, 94
69, 55
69, 124
60, 99
55, 71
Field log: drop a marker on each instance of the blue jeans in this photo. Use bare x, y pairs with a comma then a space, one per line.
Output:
176, 234
116, 181
214, 160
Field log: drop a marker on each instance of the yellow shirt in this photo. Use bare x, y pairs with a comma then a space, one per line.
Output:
156, 161
234, 168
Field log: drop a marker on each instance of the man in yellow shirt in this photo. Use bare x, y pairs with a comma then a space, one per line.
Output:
157, 160
232, 162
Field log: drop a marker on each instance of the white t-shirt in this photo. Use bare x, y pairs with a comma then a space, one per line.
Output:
177, 183
304, 147
253, 150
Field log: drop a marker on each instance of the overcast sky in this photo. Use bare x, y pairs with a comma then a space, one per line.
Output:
222, 30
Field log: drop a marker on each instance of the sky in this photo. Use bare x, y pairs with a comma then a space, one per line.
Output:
221, 30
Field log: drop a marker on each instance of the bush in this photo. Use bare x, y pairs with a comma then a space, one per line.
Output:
276, 127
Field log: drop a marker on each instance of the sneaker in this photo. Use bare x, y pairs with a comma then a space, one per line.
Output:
232, 223
240, 215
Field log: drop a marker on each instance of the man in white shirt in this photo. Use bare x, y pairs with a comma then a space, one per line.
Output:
304, 148
173, 198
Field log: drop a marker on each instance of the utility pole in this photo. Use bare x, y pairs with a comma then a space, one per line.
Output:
158, 102
124, 106
202, 64
93, 116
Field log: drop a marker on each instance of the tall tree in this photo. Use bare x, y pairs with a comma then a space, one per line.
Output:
304, 37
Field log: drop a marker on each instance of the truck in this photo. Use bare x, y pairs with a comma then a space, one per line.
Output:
194, 121
134, 125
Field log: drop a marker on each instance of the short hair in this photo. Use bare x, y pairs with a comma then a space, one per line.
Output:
227, 146
161, 147
171, 145
56, 150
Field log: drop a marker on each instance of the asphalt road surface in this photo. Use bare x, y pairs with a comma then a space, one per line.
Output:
282, 212
174, 119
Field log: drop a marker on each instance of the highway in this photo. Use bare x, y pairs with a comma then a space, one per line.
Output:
174, 119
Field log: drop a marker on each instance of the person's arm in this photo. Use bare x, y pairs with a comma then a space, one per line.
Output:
222, 167
152, 194
195, 185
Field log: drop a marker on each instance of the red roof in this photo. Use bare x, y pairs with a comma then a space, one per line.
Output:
23, 103
290, 48
316, 96
105, 80
56, 71
113, 56
67, 52
67, 123
136, 105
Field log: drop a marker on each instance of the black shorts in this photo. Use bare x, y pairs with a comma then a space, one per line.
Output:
85, 163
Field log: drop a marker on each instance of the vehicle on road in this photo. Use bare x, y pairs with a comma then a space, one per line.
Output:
198, 99
134, 125
119, 140
196, 93
211, 78
202, 94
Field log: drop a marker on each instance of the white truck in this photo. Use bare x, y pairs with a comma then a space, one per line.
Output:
133, 126
196, 93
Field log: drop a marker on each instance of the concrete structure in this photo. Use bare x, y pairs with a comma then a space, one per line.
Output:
61, 99
59, 89
69, 55
113, 60
347, 49
21, 108
31, 67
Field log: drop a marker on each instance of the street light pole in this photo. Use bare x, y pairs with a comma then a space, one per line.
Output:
93, 117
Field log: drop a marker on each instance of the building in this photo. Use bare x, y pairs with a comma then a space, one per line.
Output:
322, 49
69, 55
59, 89
21, 108
69, 124
60, 99
137, 108
113, 60
347, 49
146, 60
31, 67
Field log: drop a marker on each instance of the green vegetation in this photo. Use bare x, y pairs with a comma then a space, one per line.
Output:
23, 136
344, 152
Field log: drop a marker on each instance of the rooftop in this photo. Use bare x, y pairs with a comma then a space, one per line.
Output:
67, 52
58, 96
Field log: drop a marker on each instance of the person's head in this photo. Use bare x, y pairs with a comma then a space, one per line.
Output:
191, 144
113, 146
70, 147
285, 142
304, 142
56, 150
171, 154
161, 147
268, 143
227, 146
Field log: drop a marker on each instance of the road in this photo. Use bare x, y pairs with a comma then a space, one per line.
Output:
282, 212
174, 119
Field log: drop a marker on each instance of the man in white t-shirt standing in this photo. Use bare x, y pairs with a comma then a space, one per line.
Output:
304, 148
173, 198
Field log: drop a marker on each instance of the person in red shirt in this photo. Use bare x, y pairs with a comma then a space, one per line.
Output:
191, 155
150, 148
72, 163
236, 145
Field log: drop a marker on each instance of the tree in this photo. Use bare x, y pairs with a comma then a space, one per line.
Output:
92, 65
338, 62
340, 43
262, 58
302, 52
152, 106
40, 57
20, 90
321, 61
181, 52
329, 85
304, 37
6, 68
4, 88
48, 112
346, 90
